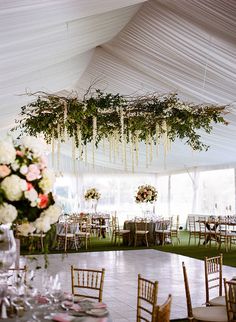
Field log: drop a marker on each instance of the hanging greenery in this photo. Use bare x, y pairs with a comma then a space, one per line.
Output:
144, 118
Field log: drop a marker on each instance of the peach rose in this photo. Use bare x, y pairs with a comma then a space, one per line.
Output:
4, 171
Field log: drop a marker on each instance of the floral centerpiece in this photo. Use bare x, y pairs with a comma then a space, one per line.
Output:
92, 194
146, 193
25, 187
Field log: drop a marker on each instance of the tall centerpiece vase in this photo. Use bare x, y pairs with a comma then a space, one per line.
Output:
147, 209
8, 253
94, 203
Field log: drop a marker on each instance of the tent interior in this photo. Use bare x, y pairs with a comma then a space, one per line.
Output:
129, 47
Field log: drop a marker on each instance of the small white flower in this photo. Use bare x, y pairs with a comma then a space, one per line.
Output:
36, 145
52, 213
32, 196
47, 181
25, 229
42, 224
7, 151
8, 213
15, 165
24, 169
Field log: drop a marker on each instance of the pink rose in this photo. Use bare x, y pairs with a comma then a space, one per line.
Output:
33, 173
19, 153
4, 171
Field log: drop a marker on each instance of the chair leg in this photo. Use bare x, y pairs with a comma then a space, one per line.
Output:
135, 240
146, 239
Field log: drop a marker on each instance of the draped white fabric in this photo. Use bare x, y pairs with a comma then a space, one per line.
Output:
47, 45
126, 46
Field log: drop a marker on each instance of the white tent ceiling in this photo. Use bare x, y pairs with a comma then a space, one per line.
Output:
125, 46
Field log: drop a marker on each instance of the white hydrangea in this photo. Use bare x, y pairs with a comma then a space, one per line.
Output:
47, 181
36, 145
52, 213
8, 213
32, 196
13, 186
42, 224
26, 228
7, 151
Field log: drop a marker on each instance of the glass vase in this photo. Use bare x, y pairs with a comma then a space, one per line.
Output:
7, 256
147, 210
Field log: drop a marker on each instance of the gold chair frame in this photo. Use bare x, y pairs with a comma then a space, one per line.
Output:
89, 279
147, 297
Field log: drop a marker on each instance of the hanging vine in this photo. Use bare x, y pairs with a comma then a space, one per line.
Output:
133, 118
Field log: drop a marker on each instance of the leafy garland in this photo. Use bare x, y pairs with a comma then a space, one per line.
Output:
132, 119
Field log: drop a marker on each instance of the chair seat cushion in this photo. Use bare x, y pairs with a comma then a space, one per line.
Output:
141, 232
123, 231
211, 314
69, 235
82, 234
162, 231
218, 301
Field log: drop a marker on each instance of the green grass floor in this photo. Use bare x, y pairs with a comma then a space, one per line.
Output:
192, 250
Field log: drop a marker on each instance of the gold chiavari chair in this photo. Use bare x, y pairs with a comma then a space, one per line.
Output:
214, 280
209, 313
140, 229
174, 229
230, 299
163, 230
66, 235
162, 312
146, 299
193, 228
91, 280
84, 232
119, 233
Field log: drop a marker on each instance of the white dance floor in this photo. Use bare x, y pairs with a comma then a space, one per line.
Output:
122, 268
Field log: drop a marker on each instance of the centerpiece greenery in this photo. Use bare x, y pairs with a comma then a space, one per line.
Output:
120, 120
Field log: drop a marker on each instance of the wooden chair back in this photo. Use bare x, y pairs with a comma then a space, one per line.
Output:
230, 299
213, 275
140, 225
146, 299
87, 279
163, 311
187, 293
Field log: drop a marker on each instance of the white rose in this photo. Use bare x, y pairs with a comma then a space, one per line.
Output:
47, 181
13, 186
52, 213
24, 169
36, 145
32, 196
42, 224
8, 213
7, 152
26, 229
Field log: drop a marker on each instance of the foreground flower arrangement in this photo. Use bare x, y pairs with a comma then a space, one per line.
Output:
25, 187
146, 193
92, 194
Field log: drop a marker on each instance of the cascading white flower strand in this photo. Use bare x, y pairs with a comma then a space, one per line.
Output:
53, 149
58, 148
64, 121
94, 138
